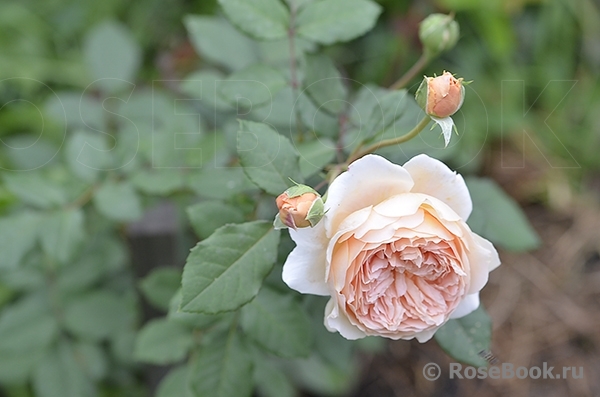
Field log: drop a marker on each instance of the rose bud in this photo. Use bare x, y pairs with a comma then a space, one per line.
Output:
300, 206
441, 96
438, 33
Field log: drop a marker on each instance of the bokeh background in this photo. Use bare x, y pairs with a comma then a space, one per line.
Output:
530, 121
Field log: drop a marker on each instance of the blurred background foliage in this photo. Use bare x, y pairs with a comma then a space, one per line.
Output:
530, 117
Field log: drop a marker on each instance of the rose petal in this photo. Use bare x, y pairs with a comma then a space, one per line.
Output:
434, 178
467, 305
368, 181
304, 268
424, 336
336, 320
483, 258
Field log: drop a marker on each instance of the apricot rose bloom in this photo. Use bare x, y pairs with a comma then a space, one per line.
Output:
393, 250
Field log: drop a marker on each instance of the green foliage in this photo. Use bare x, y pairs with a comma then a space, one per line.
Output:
277, 323
269, 159
112, 56
218, 41
466, 337
262, 19
324, 83
109, 119
118, 201
498, 218
60, 374
17, 236
330, 21
226, 270
96, 315
34, 190
208, 216
61, 233
160, 286
252, 86
175, 384
163, 342
223, 368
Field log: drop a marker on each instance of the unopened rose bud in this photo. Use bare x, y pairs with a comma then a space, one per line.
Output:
438, 33
300, 206
441, 96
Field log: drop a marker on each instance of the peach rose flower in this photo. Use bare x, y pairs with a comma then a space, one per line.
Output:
393, 250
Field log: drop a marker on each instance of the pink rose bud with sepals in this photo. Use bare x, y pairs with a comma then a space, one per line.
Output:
299, 206
441, 96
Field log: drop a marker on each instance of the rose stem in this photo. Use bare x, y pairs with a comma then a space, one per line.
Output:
411, 73
392, 141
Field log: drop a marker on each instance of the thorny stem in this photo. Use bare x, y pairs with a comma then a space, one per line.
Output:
411, 73
389, 142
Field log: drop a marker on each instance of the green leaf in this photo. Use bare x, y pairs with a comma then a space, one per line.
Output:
220, 183
386, 111
218, 41
465, 337
261, 19
61, 374
208, 216
103, 256
322, 378
252, 86
96, 315
27, 325
61, 233
18, 234
324, 84
277, 323
76, 110
163, 342
161, 285
202, 86
226, 270
160, 182
314, 155
175, 384
330, 21
87, 153
92, 359
112, 55
118, 201
270, 380
16, 367
195, 320
34, 189
269, 159
320, 120
223, 368
28, 152
497, 217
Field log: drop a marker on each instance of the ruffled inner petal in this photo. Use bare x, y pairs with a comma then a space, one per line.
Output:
402, 277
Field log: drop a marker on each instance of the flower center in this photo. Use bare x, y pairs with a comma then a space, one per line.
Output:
407, 285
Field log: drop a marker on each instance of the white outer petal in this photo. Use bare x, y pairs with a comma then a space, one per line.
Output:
336, 320
483, 258
368, 181
466, 306
424, 336
304, 268
434, 178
